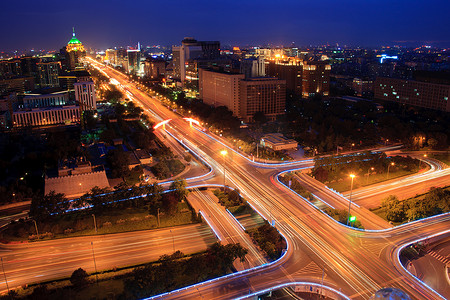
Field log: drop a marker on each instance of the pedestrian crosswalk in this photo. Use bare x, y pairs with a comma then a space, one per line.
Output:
311, 268
443, 259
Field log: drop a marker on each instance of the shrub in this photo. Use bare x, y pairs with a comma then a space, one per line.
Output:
79, 278
68, 231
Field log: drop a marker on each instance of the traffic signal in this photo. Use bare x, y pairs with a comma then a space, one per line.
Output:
352, 219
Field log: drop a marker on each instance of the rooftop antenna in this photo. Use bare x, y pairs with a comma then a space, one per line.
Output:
73, 29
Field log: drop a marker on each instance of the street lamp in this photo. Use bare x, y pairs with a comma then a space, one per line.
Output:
95, 223
391, 164
35, 226
368, 174
224, 153
352, 176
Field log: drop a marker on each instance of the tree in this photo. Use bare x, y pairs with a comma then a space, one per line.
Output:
119, 161
97, 198
432, 143
52, 203
234, 198
259, 117
394, 209
153, 198
40, 292
79, 278
320, 174
170, 203
179, 186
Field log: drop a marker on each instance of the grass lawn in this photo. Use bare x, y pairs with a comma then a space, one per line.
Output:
344, 185
381, 212
110, 221
444, 157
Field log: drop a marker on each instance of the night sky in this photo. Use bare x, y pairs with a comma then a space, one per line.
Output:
104, 23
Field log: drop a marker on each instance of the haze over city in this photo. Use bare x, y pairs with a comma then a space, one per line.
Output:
306, 22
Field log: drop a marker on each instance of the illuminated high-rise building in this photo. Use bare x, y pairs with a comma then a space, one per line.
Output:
289, 70
134, 60
253, 67
244, 97
74, 52
48, 73
316, 79
85, 95
111, 56
191, 49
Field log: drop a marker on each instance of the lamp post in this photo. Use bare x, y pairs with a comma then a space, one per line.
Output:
35, 226
391, 164
224, 153
352, 176
4, 275
95, 223
368, 174
95, 264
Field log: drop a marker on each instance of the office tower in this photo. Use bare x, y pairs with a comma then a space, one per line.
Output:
244, 97
85, 95
253, 67
219, 88
154, 68
134, 60
411, 92
266, 95
289, 70
48, 73
315, 79
191, 49
74, 53
111, 56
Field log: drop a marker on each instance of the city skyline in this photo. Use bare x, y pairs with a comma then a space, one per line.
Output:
353, 23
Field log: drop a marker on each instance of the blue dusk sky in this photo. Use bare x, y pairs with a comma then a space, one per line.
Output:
48, 24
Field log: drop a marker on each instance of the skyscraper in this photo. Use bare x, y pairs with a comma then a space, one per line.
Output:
134, 60
315, 79
74, 52
85, 95
192, 49
48, 73
253, 67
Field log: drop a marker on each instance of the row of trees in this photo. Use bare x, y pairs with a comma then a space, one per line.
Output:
229, 197
166, 168
268, 239
219, 117
341, 215
175, 271
325, 125
292, 182
335, 167
151, 197
436, 201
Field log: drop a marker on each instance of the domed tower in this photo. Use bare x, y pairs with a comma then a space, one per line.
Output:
75, 50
